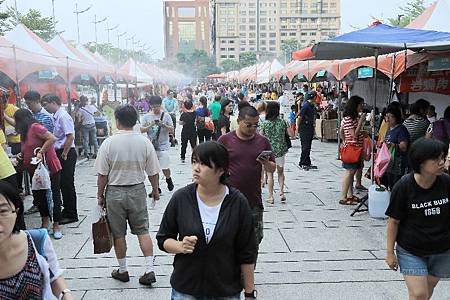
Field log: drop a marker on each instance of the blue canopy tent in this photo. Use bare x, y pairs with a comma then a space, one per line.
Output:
377, 40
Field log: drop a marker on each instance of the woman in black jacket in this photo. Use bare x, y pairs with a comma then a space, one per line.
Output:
208, 225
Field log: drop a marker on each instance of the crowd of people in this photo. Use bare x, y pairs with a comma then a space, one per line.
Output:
239, 138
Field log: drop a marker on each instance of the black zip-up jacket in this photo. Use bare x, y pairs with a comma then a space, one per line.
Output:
212, 269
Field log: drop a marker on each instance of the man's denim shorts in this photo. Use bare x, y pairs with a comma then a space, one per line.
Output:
437, 265
180, 296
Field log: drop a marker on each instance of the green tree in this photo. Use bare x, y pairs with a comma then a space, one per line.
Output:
290, 45
229, 65
247, 59
412, 10
181, 58
33, 20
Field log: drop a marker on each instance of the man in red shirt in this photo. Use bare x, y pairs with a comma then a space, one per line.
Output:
244, 146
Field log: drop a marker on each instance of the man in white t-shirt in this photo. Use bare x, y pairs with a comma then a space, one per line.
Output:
158, 125
285, 108
123, 162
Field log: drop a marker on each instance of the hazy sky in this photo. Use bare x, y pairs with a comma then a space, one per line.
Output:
144, 18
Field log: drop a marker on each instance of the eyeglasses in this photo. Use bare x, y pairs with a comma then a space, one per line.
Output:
6, 212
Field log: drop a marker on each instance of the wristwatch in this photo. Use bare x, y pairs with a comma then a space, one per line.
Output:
253, 294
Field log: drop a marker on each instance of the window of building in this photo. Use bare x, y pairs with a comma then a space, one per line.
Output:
252, 48
251, 27
223, 49
170, 28
230, 49
186, 36
252, 13
271, 27
223, 56
243, 42
304, 33
231, 41
242, 27
263, 35
251, 42
243, 20
186, 12
312, 34
263, 13
262, 27
167, 11
243, 35
283, 34
272, 49
252, 35
272, 42
272, 34
292, 34
262, 20
242, 49
263, 42
252, 20
263, 49
199, 11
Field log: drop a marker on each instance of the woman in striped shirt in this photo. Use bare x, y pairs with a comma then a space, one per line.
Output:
351, 131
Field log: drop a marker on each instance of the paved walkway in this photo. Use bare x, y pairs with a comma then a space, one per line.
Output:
312, 248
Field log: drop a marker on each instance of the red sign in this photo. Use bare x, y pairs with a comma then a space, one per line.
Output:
418, 79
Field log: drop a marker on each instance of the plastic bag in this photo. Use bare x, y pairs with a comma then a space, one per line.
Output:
41, 178
382, 161
367, 148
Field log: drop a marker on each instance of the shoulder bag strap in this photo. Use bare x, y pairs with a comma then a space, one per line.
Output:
159, 127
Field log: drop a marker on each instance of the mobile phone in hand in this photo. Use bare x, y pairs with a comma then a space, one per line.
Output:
264, 155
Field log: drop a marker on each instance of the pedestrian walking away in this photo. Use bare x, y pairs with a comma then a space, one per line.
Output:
188, 133
122, 164
209, 228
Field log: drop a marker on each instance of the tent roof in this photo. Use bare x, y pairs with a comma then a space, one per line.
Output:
386, 39
434, 17
134, 70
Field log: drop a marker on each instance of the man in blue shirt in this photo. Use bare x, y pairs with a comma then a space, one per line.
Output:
33, 101
170, 105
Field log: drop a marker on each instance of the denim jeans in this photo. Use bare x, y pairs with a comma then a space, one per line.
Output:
89, 133
180, 296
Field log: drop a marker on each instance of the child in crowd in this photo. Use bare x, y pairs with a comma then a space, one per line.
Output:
292, 118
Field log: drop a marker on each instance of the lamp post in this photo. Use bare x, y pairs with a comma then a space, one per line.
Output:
95, 28
53, 13
109, 29
119, 35
78, 12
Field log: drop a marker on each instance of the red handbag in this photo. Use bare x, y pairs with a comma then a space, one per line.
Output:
350, 154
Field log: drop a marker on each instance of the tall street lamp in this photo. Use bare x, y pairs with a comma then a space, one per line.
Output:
95, 27
109, 29
78, 12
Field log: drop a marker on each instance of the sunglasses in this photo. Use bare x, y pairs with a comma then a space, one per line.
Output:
249, 125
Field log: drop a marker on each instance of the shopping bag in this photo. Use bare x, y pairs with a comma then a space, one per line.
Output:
350, 154
41, 178
367, 148
102, 237
382, 161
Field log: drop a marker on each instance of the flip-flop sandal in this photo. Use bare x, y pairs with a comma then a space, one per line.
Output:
361, 188
348, 201
270, 201
354, 199
283, 198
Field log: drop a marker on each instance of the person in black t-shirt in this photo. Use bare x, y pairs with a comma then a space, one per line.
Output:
188, 133
224, 118
419, 220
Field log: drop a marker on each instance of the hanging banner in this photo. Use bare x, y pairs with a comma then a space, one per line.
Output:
418, 79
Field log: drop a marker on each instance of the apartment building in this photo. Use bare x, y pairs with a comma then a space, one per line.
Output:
241, 26
187, 26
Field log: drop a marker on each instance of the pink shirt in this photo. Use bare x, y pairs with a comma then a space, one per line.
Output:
35, 139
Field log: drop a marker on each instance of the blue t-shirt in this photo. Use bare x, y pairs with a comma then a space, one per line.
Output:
169, 104
397, 135
292, 117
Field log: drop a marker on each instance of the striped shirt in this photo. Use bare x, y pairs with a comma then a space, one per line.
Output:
417, 127
45, 118
347, 125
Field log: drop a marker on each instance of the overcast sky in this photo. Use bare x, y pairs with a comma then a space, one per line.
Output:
144, 18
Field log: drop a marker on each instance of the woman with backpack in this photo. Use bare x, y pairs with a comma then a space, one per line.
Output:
203, 114
30, 268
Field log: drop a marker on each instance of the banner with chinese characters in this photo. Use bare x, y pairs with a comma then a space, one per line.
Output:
418, 79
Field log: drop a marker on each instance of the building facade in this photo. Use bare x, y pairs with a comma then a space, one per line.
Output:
187, 26
240, 26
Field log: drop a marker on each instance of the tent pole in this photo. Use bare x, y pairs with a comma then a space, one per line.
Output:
373, 110
17, 78
339, 111
98, 88
69, 100
115, 87
391, 82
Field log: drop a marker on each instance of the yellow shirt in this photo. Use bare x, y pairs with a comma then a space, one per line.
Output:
10, 110
6, 168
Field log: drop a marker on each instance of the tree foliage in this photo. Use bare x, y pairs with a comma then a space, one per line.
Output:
229, 65
116, 55
197, 64
33, 20
412, 10
290, 45
247, 59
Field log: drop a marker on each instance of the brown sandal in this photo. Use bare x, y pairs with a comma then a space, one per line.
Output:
348, 201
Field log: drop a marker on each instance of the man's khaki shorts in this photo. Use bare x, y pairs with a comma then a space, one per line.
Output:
127, 203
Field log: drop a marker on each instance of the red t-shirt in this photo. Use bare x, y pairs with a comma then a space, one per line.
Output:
245, 171
35, 139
